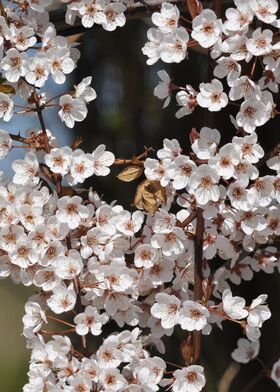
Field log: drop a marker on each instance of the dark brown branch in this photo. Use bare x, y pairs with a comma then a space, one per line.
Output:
42, 122
198, 277
218, 8
19, 138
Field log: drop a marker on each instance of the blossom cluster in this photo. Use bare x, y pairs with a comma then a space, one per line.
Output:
97, 266
232, 45
137, 269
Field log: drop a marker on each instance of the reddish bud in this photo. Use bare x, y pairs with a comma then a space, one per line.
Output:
195, 7
194, 135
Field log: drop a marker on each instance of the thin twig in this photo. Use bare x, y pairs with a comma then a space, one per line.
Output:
42, 123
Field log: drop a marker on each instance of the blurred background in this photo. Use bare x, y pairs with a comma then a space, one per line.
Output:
126, 117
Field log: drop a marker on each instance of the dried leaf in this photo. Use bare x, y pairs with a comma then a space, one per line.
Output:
130, 173
195, 7
148, 194
6, 89
161, 194
149, 202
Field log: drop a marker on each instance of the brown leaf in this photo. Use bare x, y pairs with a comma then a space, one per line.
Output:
161, 194
148, 195
149, 202
130, 173
138, 195
6, 89
141, 192
195, 7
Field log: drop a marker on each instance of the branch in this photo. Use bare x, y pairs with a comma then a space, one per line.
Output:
228, 377
42, 123
198, 277
218, 8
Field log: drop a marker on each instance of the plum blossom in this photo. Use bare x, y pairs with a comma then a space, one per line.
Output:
229, 68
203, 184
166, 308
174, 46
114, 13
102, 160
70, 266
260, 43
72, 109
206, 28
153, 46
190, 379
234, 307
212, 207
246, 350
265, 10
26, 169
205, 145
167, 19
5, 143
90, 321
59, 159
71, 211
6, 107
252, 114
193, 316
186, 99
14, 65
83, 90
63, 299
129, 224
211, 96
162, 90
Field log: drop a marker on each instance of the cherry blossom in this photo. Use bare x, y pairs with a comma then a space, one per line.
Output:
162, 90
167, 309
203, 184
234, 306
71, 211
206, 28
211, 96
167, 19
5, 143
189, 379
90, 321
245, 351
193, 316
208, 216
72, 109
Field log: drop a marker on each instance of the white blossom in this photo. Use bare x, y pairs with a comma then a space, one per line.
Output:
189, 379
193, 316
90, 321
245, 351
211, 96
206, 28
